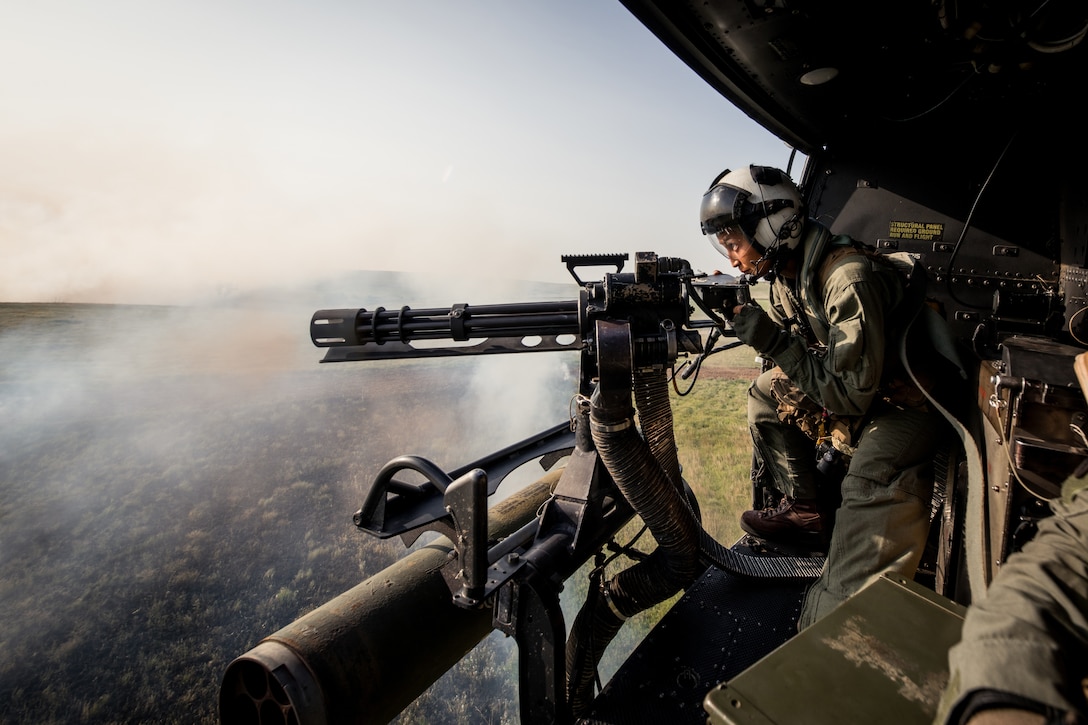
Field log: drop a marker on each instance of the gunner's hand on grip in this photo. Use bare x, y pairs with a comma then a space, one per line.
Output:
756, 329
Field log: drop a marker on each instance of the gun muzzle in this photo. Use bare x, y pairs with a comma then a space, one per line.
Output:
368, 653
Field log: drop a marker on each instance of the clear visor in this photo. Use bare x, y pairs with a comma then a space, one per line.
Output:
728, 241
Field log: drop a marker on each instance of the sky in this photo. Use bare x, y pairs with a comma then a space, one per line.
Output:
175, 151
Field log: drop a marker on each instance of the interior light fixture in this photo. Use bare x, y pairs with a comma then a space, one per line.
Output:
819, 76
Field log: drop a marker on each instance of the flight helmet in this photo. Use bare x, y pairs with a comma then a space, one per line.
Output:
762, 202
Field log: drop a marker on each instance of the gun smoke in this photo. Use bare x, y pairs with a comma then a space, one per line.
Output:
178, 482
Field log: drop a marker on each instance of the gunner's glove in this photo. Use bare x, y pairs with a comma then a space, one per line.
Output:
756, 329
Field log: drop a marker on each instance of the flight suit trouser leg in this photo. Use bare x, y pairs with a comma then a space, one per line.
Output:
883, 522
787, 453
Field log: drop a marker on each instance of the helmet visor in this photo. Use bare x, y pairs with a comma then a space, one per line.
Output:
723, 207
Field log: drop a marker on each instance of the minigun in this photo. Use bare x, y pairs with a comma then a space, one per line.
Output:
654, 301
502, 568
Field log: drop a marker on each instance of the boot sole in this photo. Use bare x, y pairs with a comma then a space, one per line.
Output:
809, 539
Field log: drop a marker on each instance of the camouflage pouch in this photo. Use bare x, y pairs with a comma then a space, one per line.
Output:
794, 407
797, 409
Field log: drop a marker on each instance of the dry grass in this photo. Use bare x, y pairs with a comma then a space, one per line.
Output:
715, 451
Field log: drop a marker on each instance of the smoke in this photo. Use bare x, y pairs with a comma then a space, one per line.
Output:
92, 217
133, 218
177, 482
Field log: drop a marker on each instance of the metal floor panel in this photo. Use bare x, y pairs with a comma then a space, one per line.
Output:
723, 624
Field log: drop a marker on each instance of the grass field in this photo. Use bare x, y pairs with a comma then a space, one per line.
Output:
176, 484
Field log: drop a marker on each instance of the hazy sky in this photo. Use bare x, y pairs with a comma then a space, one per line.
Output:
163, 151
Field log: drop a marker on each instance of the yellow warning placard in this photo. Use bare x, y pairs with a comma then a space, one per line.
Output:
921, 231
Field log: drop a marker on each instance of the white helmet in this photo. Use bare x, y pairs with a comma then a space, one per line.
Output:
759, 200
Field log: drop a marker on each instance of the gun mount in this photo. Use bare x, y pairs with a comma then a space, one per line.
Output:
630, 330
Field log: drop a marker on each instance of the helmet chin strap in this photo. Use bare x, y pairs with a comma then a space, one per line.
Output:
773, 259
768, 275
773, 255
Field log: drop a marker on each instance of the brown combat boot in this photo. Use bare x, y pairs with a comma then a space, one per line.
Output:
791, 520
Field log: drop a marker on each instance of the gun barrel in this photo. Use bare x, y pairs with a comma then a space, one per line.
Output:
349, 327
367, 654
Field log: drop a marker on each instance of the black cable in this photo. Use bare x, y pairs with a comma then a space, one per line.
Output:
967, 225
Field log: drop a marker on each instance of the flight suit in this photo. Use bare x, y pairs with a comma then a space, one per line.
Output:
838, 330
1028, 637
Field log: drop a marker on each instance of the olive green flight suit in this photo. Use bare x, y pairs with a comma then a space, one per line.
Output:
842, 352
1028, 637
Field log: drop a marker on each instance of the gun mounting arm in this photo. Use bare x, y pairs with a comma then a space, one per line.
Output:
392, 507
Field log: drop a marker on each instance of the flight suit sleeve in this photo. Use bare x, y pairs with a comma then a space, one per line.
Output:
846, 378
1028, 637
